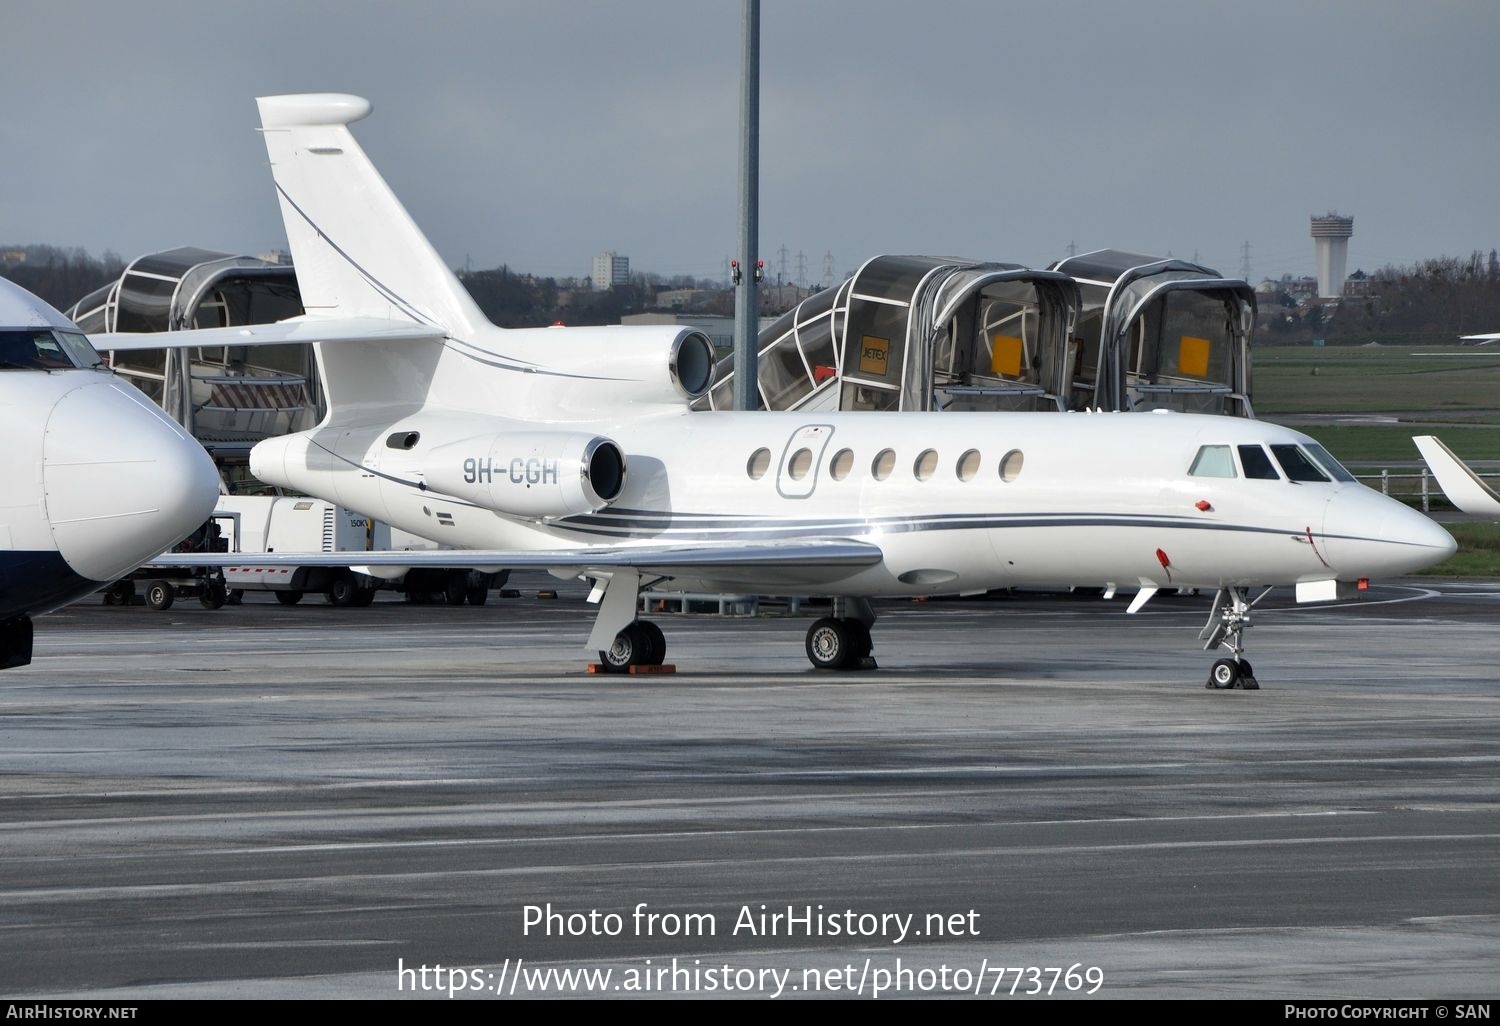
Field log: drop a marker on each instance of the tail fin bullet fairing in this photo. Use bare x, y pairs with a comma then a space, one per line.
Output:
575, 449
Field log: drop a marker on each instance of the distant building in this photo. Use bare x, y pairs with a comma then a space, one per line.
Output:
610, 269
1331, 247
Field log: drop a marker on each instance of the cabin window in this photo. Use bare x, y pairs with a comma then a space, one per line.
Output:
884, 463
759, 463
1333, 466
925, 465
843, 462
1257, 464
800, 464
968, 465
1213, 461
1297, 464
1010, 465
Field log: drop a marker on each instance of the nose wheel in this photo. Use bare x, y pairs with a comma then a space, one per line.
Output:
1228, 673
1228, 621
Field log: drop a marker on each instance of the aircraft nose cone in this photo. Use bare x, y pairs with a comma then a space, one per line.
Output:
1371, 535
122, 482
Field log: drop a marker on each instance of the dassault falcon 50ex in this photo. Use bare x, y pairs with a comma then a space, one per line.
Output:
575, 449
95, 479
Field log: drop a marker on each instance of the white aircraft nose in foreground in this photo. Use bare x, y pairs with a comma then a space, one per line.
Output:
575, 449
96, 479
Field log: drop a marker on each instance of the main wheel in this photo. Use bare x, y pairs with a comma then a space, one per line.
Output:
1224, 675
477, 594
829, 646
288, 598
630, 649
362, 597
160, 595
213, 596
654, 651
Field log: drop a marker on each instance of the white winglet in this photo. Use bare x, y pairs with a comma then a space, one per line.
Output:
1457, 479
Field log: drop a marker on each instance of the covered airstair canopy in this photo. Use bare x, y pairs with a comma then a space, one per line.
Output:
920, 333
1160, 333
227, 402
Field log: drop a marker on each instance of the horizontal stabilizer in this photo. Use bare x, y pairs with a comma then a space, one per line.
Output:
1457, 479
289, 332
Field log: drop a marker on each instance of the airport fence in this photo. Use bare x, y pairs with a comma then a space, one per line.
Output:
1415, 486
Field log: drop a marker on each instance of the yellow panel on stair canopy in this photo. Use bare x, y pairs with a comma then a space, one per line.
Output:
1005, 355
1192, 356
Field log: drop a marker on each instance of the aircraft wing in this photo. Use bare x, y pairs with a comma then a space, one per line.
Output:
782, 562
1457, 479
313, 329
1481, 339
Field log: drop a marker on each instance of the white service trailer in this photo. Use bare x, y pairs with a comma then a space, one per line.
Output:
245, 525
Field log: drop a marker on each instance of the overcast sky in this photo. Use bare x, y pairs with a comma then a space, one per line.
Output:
538, 134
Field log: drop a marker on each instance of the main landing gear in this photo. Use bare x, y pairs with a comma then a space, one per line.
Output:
640, 644
842, 641
1227, 622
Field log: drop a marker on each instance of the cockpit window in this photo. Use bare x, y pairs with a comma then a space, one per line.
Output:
45, 349
1296, 463
1257, 464
1213, 461
1333, 466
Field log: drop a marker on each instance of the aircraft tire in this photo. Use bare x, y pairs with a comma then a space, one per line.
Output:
629, 649
1224, 674
288, 598
829, 645
213, 596
655, 648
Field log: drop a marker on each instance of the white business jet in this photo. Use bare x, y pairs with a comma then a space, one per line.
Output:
575, 450
94, 479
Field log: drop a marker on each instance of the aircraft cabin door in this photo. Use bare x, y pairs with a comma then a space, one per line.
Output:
800, 460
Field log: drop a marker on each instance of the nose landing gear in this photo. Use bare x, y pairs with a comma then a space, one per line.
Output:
1227, 622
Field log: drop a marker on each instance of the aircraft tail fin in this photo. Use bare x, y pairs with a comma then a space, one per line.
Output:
1457, 479
357, 251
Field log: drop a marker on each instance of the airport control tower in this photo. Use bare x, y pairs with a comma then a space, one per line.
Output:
1331, 242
